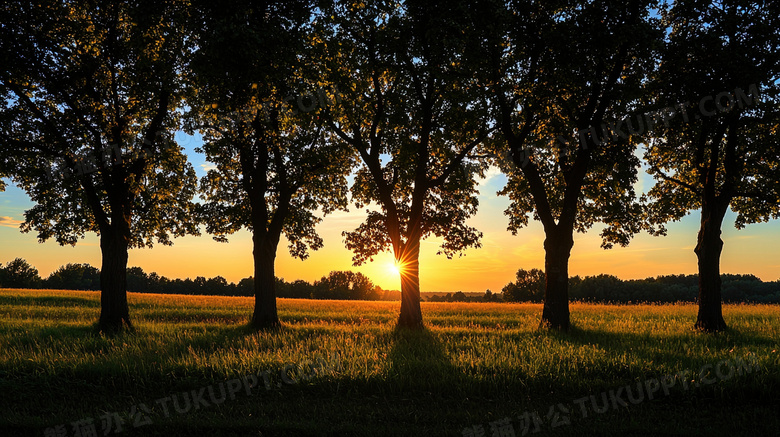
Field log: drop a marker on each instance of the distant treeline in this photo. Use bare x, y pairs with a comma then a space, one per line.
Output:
337, 285
528, 286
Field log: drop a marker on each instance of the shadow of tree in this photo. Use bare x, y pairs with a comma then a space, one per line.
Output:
639, 357
419, 361
676, 348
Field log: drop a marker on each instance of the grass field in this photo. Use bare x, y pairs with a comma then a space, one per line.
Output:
340, 368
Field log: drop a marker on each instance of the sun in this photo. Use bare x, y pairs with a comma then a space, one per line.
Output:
394, 268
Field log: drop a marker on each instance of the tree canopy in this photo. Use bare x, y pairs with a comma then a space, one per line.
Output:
90, 97
276, 172
721, 149
412, 112
562, 78
396, 107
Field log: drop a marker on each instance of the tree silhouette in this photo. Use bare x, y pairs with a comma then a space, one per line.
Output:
344, 285
558, 73
528, 286
720, 150
73, 276
412, 112
18, 273
90, 94
274, 165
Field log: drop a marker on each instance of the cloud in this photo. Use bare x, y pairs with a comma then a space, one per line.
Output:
208, 166
491, 173
9, 222
493, 181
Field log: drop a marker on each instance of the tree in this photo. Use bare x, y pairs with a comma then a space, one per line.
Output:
344, 285
528, 287
363, 288
73, 276
334, 286
298, 289
603, 288
558, 73
93, 88
246, 287
719, 149
412, 113
137, 280
274, 167
490, 296
19, 274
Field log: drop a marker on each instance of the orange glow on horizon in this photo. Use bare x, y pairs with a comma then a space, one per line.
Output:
751, 250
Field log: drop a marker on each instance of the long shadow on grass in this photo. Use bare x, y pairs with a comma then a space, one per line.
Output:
143, 370
422, 374
638, 355
420, 367
640, 358
418, 361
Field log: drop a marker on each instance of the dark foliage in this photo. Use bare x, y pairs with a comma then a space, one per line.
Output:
662, 289
346, 285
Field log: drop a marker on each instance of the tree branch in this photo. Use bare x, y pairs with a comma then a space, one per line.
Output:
665, 177
455, 162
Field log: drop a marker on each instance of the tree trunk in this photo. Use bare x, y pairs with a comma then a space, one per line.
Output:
557, 248
708, 249
265, 315
409, 260
114, 311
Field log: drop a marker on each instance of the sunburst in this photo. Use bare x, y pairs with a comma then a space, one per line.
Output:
396, 268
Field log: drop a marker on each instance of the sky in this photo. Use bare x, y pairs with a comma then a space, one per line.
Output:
752, 250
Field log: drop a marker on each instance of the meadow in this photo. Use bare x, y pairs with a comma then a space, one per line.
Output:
341, 368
